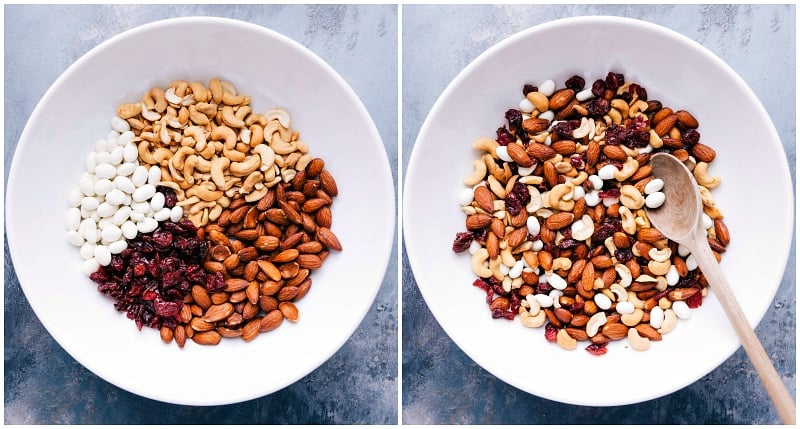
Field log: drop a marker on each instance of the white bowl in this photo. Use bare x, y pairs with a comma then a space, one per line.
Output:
76, 111
755, 196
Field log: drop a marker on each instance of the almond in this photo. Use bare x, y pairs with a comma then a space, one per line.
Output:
313, 204
266, 201
251, 329
250, 271
686, 119
621, 240
518, 154
328, 183
517, 237
498, 227
587, 278
671, 143
682, 293
315, 167
666, 124
535, 125
564, 147
559, 220
200, 325
545, 260
500, 303
266, 243
550, 174
615, 152
615, 331
324, 217
561, 98
649, 235
568, 111
648, 332
288, 293
592, 153
271, 321
645, 170
661, 114
228, 333
234, 284
287, 255
309, 247
276, 216
328, 239
540, 151
563, 315
207, 338
578, 334
492, 245
579, 321
703, 153
291, 214
309, 261
247, 254
289, 311
723, 235
213, 266
200, 296
485, 198
180, 336
474, 222
269, 269
576, 271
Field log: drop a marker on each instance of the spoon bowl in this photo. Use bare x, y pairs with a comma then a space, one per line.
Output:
679, 220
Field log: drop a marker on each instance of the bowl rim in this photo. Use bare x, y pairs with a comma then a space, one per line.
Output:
22, 145
410, 177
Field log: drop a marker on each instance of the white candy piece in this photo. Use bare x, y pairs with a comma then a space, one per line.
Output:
547, 87
691, 263
502, 153
625, 307
154, 175
126, 169
146, 225
683, 250
578, 193
74, 197
129, 230
543, 300
610, 201
526, 106
106, 210
474, 246
101, 158
557, 282
137, 216
607, 172
115, 197
516, 270
681, 309
102, 255
75, 238
526, 171
141, 207
655, 200
111, 233
672, 276
176, 213
102, 187
537, 245
654, 185
124, 184
105, 171
656, 316
549, 115
119, 124
140, 176
73, 219
157, 202
596, 181
603, 302
91, 162
465, 197
162, 214
533, 225
584, 95
87, 185
125, 139
144, 192
117, 247
87, 250
89, 266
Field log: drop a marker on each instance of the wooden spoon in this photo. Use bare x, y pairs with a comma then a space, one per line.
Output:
679, 220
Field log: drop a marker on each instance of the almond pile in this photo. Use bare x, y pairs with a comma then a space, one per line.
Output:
556, 221
245, 183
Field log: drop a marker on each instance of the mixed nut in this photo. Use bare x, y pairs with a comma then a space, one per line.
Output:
201, 217
556, 221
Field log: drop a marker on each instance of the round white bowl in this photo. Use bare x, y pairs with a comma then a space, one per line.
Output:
76, 111
755, 197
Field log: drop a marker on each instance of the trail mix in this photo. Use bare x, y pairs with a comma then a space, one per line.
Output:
200, 217
556, 221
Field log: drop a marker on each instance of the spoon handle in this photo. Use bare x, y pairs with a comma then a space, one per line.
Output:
784, 403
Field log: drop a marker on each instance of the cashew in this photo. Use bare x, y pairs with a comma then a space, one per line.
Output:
303, 162
250, 181
609, 243
655, 140
506, 257
660, 255
174, 173
204, 191
636, 341
255, 118
247, 166
706, 197
202, 205
628, 168
198, 135
172, 98
633, 298
632, 319
178, 159
494, 266
188, 201
478, 173
529, 317
703, 179
659, 268
200, 92
256, 135
595, 322
145, 154
281, 147
267, 156
496, 187
583, 228
242, 112
644, 278
218, 167
270, 129
624, 274
536, 200
162, 156
281, 115
583, 130
149, 115
487, 145
230, 119
479, 259
565, 341
561, 264
130, 110
579, 179
619, 292
215, 212
628, 221
174, 186
225, 134
288, 174
202, 165
233, 155
630, 197
621, 105
614, 116
160, 99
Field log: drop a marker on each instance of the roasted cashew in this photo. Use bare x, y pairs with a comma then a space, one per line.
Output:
267, 156
188, 201
628, 168
496, 187
150, 115
621, 105
145, 154
218, 167
200, 92
659, 268
198, 135
172, 97
660, 255
583, 130
245, 167
624, 274
565, 341
242, 112
204, 191
579, 179
630, 197
197, 207
583, 228
203, 165
536, 200
561, 264
655, 140
233, 154
628, 221
479, 259
703, 179
632, 319
478, 173
633, 298
506, 257
302, 162
279, 114
230, 119
636, 341
270, 129
595, 322
487, 145
529, 317
188, 169
494, 266
281, 147
619, 292
256, 135
224, 134
670, 320
250, 182
609, 243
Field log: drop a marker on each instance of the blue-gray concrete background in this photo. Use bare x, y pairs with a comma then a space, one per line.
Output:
441, 385
43, 384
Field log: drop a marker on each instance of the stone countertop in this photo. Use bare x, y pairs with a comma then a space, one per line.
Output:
441, 384
43, 384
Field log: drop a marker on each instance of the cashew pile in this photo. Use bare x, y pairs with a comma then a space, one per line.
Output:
556, 222
210, 145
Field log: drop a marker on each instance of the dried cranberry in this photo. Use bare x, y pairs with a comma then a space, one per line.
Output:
616, 134
215, 282
626, 97
599, 88
598, 106
690, 138
597, 349
575, 83
170, 198
577, 161
518, 198
504, 137
614, 80
623, 255
564, 129
514, 118
544, 288
568, 243
550, 332
609, 193
695, 300
462, 241
481, 284
639, 90
577, 307
528, 88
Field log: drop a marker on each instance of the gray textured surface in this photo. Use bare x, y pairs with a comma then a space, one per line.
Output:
43, 384
441, 384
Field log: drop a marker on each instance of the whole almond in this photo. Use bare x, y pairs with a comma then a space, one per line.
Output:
561, 98
649, 235
578, 334
661, 114
231, 261
484, 198
313, 204
207, 338
269, 269
649, 332
587, 278
166, 334
615, 331
671, 143
564, 147
492, 245
644, 171
535, 125
615, 152
540, 151
703, 153
214, 266
234, 284
550, 174
324, 217
289, 311
215, 313
228, 333
285, 256
238, 215
247, 234
592, 153
576, 271
621, 240
559, 220
563, 315
266, 201
288, 293
291, 214
250, 271
666, 124
252, 291
309, 261
267, 303
314, 168
266, 243
180, 336
200, 296
251, 329
686, 119
199, 325
328, 183
328, 239
721, 229
518, 154
517, 237
309, 247
579, 320
271, 320
247, 254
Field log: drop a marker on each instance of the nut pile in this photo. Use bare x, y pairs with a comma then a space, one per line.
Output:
196, 159
556, 221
